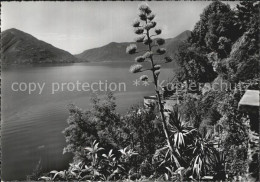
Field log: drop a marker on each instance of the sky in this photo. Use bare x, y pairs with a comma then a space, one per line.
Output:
78, 26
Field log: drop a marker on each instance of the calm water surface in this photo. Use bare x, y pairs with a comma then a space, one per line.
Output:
32, 123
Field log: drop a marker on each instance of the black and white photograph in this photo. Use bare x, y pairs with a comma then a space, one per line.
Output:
130, 91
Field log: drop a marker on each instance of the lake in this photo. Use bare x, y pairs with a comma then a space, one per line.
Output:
32, 123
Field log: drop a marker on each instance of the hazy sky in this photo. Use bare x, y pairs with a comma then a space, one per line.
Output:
77, 26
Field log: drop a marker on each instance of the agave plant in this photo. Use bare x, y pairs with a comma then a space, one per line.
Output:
59, 175
204, 157
146, 27
165, 156
180, 130
219, 166
174, 175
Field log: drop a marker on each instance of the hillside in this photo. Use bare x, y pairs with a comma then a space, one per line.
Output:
117, 51
22, 48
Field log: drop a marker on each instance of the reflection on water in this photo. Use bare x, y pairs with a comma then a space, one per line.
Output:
32, 123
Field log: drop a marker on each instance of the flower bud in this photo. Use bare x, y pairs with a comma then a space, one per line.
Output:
142, 16
148, 55
144, 78
150, 17
157, 72
161, 51
157, 67
153, 24
131, 49
158, 31
140, 39
150, 25
136, 68
139, 31
136, 23
160, 41
139, 59
168, 59
144, 8
148, 41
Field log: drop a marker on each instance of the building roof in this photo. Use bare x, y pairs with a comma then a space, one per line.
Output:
249, 100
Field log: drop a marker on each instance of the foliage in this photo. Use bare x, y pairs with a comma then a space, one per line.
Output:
205, 133
182, 131
194, 66
216, 22
236, 140
246, 14
105, 167
99, 123
243, 62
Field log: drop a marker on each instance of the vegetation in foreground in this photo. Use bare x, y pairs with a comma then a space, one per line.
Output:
207, 134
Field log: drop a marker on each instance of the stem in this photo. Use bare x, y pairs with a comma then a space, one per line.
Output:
165, 129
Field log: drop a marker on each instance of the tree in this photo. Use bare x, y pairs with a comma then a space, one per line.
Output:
217, 23
194, 65
246, 14
143, 27
100, 123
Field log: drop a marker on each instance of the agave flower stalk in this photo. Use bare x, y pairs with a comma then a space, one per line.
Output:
161, 107
143, 26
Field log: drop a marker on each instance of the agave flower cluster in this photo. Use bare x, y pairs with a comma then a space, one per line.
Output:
145, 26
131, 49
136, 68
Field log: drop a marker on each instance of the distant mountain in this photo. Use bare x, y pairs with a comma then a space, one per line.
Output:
22, 48
117, 51
173, 44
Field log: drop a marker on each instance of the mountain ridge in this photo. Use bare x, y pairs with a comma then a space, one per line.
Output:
19, 47
115, 51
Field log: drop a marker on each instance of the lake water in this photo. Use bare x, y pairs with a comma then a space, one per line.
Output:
32, 123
